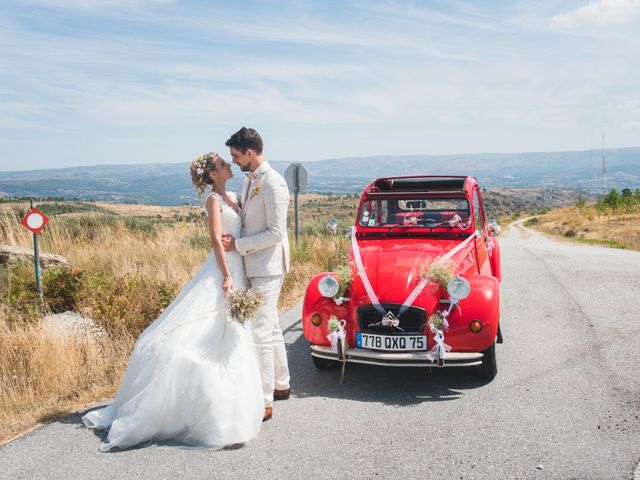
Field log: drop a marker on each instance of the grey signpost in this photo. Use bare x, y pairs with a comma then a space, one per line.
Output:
35, 220
297, 178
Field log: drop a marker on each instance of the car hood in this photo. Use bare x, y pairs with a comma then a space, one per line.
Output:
393, 267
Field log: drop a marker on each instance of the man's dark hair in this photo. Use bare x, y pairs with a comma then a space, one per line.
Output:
244, 139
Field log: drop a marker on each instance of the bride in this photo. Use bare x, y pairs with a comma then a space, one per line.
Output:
193, 377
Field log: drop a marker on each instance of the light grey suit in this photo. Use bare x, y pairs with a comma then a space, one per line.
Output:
264, 245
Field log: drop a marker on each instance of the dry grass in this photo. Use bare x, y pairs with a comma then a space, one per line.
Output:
587, 225
126, 269
43, 376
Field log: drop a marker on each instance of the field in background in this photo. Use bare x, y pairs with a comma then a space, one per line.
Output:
590, 226
613, 220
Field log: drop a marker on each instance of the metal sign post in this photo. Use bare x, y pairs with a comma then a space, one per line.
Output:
297, 178
35, 221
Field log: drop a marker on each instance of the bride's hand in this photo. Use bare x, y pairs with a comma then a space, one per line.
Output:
227, 285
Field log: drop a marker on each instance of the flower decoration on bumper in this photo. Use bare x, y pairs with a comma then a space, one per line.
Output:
338, 338
438, 323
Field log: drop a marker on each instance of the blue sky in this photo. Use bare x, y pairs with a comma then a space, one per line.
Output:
87, 82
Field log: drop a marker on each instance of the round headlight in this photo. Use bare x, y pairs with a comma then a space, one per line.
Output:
328, 286
458, 288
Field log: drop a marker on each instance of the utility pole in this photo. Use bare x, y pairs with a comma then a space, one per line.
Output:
604, 167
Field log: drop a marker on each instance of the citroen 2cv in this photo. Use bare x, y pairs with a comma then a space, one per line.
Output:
422, 288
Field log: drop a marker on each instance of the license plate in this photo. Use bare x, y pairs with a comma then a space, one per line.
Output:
396, 343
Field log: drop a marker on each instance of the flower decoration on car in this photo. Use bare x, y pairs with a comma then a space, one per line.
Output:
346, 277
438, 323
410, 220
440, 271
337, 338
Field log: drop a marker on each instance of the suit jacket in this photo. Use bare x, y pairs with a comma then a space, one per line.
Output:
264, 243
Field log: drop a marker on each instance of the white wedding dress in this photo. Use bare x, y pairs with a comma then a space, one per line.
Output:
193, 376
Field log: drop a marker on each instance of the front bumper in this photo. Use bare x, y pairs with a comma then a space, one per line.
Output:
400, 359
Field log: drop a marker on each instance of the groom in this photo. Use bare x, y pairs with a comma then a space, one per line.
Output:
265, 248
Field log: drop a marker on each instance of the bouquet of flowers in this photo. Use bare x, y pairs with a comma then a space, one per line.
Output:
438, 324
346, 278
438, 321
243, 305
440, 271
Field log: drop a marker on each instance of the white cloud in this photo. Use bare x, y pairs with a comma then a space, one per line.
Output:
602, 12
95, 4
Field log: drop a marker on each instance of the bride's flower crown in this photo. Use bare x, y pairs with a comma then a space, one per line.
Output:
200, 168
198, 165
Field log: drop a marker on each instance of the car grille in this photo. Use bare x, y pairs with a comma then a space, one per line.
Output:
412, 320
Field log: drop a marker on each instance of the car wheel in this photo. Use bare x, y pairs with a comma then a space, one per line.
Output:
322, 363
489, 367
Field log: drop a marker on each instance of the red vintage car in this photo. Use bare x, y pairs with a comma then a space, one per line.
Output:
424, 286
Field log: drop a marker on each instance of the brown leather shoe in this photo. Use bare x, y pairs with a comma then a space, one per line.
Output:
268, 413
281, 394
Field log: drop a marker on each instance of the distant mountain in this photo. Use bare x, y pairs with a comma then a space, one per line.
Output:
169, 183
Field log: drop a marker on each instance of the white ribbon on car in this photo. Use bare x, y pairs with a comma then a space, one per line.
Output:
337, 335
423, 283
373, 298
438, 351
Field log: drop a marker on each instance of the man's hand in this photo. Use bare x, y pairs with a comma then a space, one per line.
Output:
229, 243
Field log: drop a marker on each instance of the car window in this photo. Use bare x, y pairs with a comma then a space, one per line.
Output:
450, 212
477, 212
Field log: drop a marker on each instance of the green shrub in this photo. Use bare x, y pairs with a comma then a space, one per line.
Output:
140, 224
531, 221
56, 208
89, 227
200, 241
127, 303
19, 292
61, 287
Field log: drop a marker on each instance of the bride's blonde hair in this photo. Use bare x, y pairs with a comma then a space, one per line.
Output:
200, 169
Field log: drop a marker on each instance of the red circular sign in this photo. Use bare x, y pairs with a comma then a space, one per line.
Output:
35, 220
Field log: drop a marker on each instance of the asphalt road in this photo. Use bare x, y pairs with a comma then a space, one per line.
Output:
565, 403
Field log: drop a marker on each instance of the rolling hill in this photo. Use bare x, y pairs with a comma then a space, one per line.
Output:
169, 184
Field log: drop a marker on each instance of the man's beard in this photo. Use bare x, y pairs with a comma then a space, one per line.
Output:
245, 168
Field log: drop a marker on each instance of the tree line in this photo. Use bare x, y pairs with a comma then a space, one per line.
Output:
627, 201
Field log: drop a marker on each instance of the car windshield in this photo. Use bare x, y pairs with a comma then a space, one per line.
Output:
438, 212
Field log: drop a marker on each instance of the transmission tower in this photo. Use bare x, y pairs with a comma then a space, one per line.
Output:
604, 167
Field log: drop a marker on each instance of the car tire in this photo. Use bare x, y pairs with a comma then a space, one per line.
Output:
489, 367
322, 363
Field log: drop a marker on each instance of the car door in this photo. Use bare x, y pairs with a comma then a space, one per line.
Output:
480, 226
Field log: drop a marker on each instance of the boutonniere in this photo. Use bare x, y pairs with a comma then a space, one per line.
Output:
255, 190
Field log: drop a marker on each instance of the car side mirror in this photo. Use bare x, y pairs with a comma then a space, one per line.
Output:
494, 228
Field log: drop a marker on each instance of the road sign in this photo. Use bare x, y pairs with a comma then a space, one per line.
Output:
297, 177
35, 220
